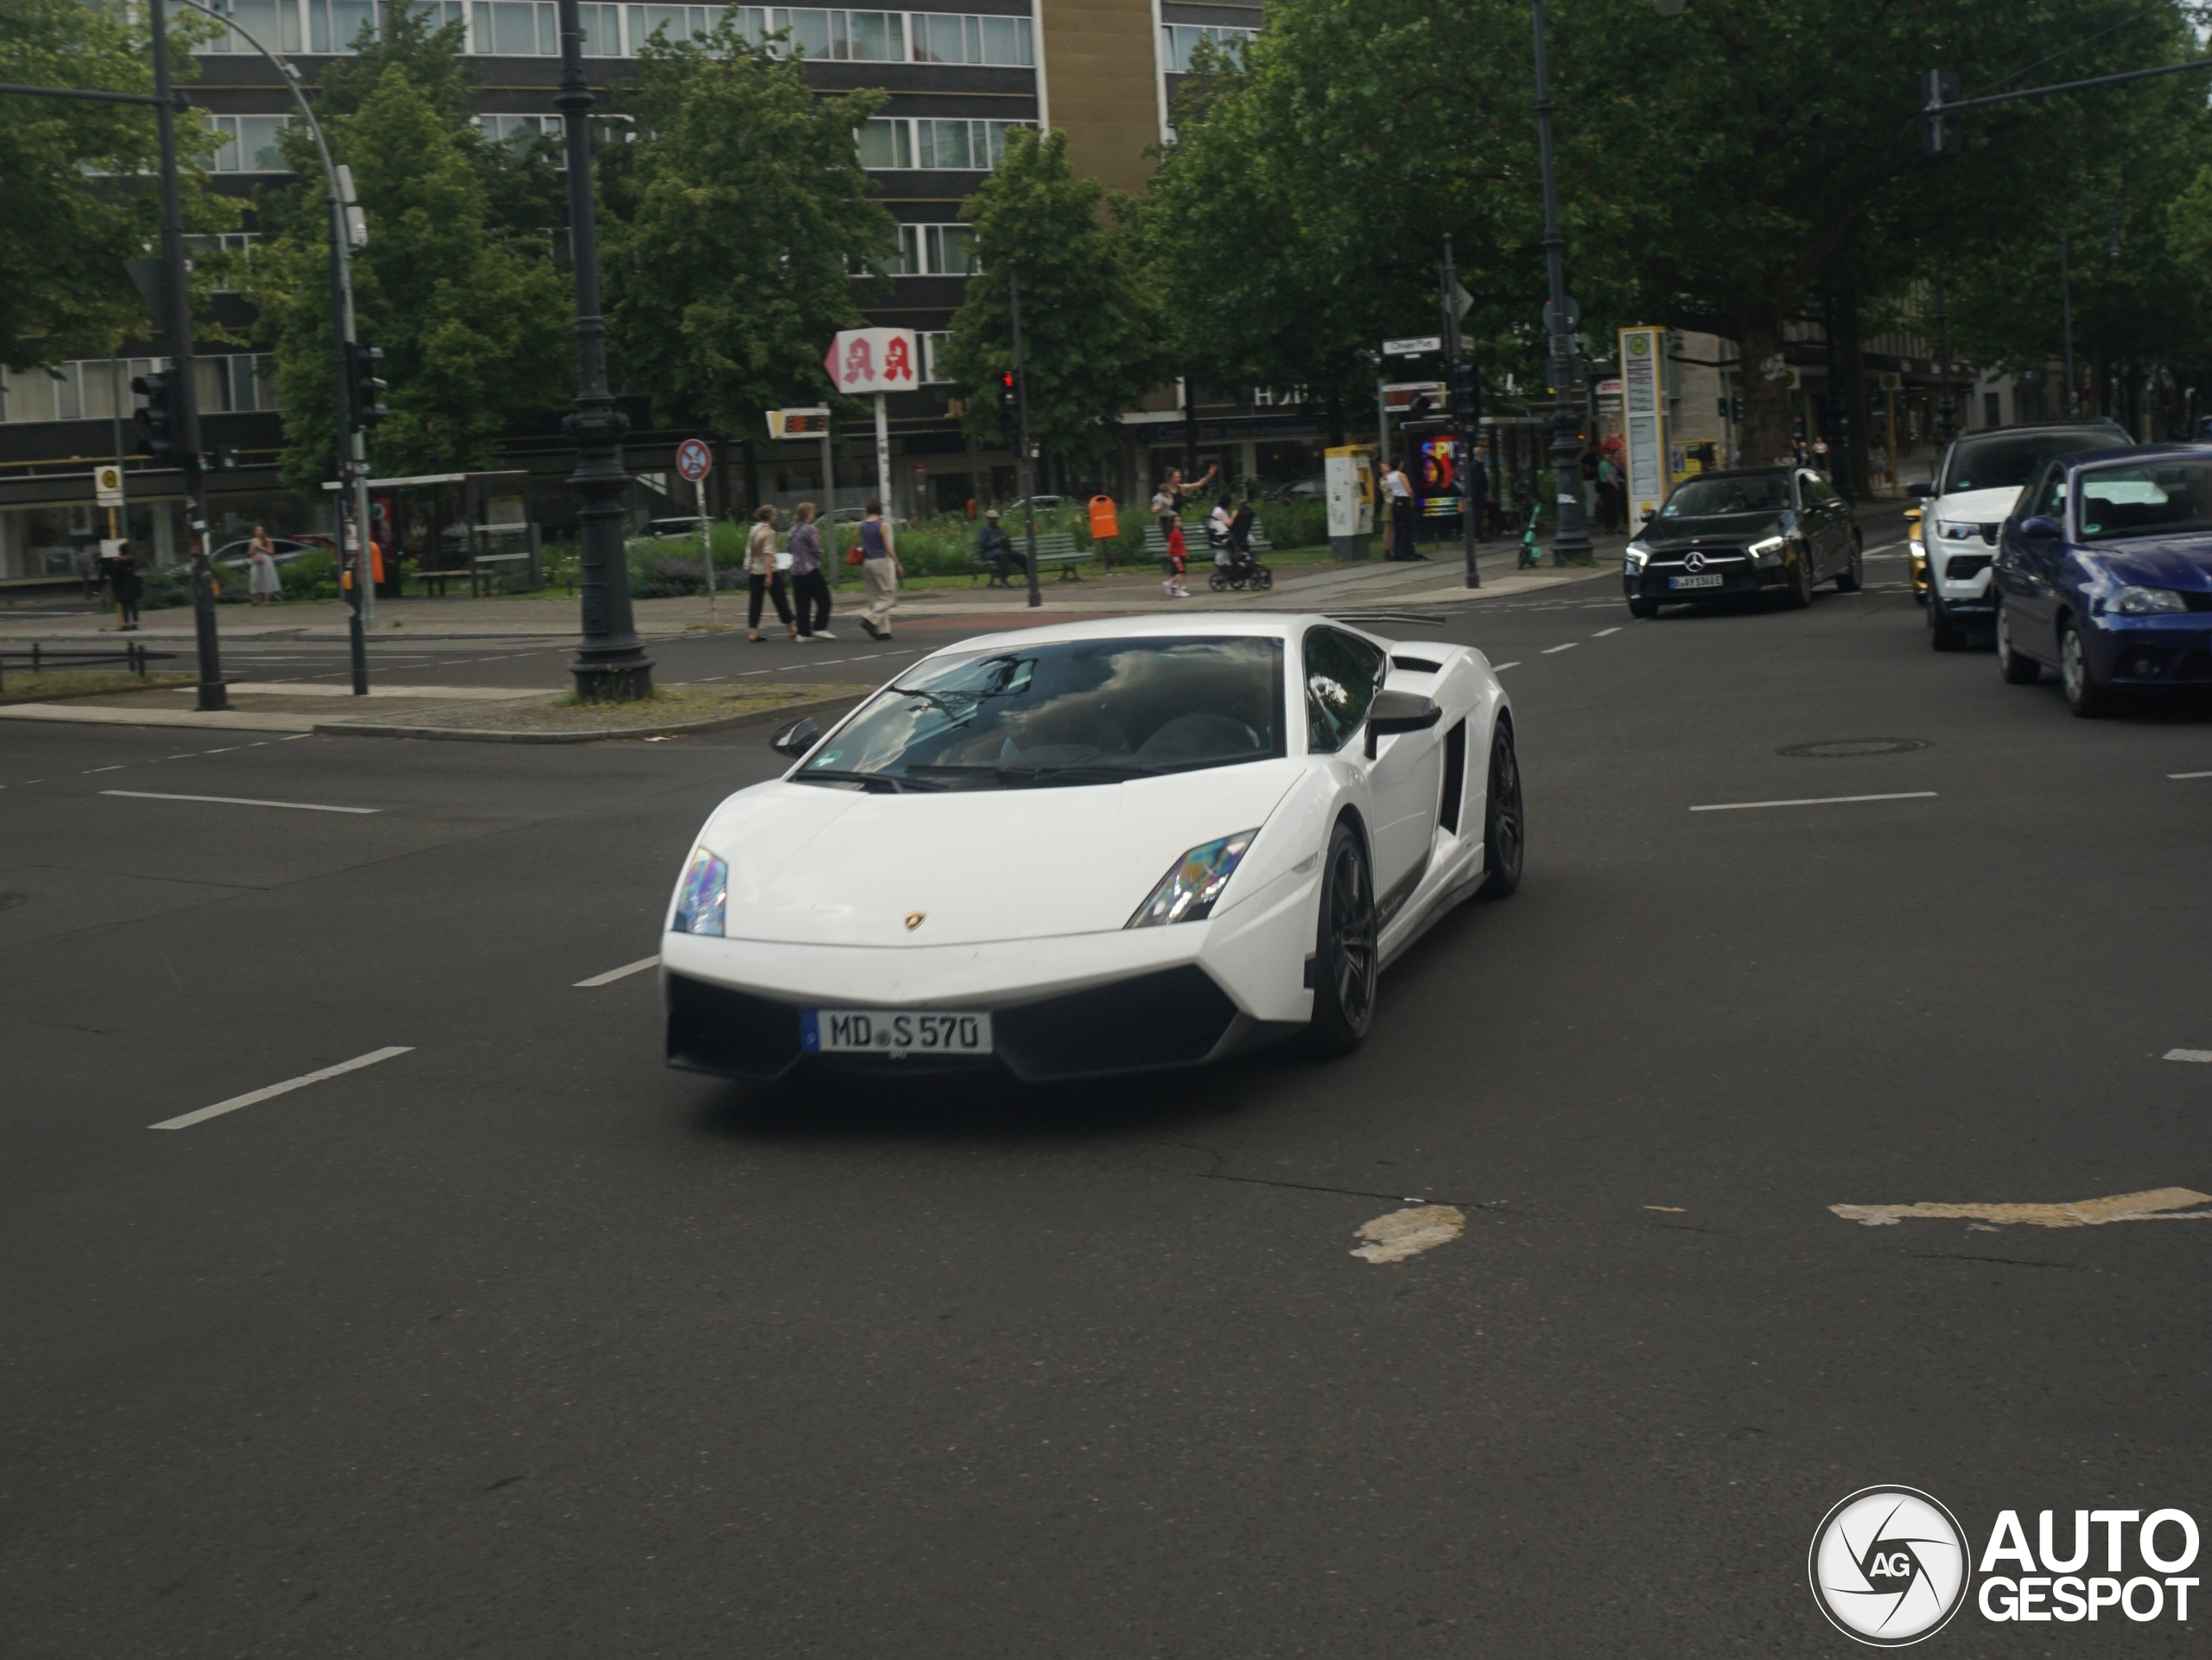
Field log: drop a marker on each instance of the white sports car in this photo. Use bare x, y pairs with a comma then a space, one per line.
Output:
1098, 847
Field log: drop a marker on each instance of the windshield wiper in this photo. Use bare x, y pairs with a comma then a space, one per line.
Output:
875, 783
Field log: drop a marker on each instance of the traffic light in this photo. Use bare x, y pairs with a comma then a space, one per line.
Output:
1466, 397
364, 392
1942, 135
156, 419
1009, 404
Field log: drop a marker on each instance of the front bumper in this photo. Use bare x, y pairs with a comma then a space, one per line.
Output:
1961, 576
2148, 654
1069, 1006
1739, 574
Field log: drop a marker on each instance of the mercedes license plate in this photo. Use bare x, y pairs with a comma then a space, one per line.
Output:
1710, 579
892, 1031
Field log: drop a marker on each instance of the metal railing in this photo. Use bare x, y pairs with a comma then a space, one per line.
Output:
132, 655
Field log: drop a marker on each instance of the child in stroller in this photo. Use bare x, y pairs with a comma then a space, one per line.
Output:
1232, 541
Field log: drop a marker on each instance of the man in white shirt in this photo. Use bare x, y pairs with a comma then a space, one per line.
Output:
1399, 490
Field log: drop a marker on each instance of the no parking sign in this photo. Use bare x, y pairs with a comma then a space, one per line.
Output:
694, 460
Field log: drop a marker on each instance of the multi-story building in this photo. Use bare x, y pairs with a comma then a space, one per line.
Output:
959, 76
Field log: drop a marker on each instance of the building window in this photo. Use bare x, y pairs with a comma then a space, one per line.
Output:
932, 347
862, 36
275, 24
519, 132
515, 29
898, 143
933, 250
249, 143
335, 25
942, 37
1179, 40
86, 389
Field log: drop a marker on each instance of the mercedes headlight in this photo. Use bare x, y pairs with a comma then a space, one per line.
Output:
1187, 893
2132, 602
1636, 557
702, 896
1770, 548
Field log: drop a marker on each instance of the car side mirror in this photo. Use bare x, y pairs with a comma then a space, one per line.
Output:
2039, 526
1399, 711
1920, 488
797, 738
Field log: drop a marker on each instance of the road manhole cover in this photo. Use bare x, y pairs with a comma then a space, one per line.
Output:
10, 901
1845, 748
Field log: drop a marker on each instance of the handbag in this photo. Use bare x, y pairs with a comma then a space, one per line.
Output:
853, 556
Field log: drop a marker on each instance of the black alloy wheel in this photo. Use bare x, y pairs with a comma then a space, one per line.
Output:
2017, 670
1799, 594
1643, 610
2084, 695
1505, 825
1219, 580
1345, 955
1943, 633
1853, 576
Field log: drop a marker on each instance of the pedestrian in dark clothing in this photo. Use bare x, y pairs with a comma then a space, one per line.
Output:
1240, 532
995, 548
763, 579
809, 587
122, 582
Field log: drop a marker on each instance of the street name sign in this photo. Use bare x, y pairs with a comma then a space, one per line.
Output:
1412, 347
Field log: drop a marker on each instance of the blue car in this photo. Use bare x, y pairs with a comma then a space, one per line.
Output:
2104, 573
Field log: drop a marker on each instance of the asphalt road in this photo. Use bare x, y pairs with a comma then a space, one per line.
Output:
515, 1343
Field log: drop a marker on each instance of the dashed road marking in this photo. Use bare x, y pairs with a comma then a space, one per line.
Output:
1602, 632
1500, 668
2159, 1205
624, 972
186, 1121
2190, 775
240, 801
1814, 801
1549, 651
2188, 1054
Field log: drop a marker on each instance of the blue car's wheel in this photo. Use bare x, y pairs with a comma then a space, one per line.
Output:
2017, 670
2084, 695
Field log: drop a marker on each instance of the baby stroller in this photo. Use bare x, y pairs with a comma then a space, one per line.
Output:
1234, 566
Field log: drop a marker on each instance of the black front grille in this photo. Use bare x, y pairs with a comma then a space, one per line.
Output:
2197, 602
1961, 566
2195, 665
1174, 1018
730, 1033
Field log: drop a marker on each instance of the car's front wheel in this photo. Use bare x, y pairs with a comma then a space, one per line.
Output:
1799, 594
1643, 610
2084, 695
1853, 576
1943, 633
1504, 822
2018, 669
1346, 959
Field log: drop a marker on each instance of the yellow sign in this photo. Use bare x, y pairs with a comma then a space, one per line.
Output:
107, 483
1643, 414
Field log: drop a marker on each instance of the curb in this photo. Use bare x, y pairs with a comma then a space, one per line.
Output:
469, 734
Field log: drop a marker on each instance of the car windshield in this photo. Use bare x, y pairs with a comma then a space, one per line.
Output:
1764, 493
1067, 712
2156, 498
2007, 460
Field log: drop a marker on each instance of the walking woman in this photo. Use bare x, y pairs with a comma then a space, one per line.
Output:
879, 571
122, 581
809, 587
261, 580
761, 576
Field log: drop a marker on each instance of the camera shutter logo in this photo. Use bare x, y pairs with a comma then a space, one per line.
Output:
1889, 1565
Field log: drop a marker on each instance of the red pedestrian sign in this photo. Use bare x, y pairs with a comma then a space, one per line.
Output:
694, 460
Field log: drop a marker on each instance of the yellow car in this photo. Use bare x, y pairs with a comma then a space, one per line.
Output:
1919, 552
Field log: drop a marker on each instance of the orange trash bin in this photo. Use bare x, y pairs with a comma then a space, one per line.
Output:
1104, 524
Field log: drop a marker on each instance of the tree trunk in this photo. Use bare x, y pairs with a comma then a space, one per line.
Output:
1859, 397
1766, 394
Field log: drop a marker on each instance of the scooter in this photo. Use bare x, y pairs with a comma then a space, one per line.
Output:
1531, 555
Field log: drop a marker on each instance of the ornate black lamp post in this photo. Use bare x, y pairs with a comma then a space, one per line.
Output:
1571, 540
611, 666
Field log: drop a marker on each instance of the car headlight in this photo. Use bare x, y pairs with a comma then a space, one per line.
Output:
1187, 893
2132, 602
700, 899
1951, 532
1636, 556
1771, 548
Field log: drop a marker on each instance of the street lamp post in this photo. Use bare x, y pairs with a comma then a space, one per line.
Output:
1021, 423
1570, 540
611, 665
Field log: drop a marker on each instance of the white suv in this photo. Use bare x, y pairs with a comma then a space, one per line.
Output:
1980, 477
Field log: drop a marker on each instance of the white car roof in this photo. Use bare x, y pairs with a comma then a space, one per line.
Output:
1273, 625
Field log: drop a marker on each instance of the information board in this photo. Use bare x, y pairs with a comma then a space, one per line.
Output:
1644, 419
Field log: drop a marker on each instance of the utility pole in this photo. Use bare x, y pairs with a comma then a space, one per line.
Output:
1571, 538
1459, 388
611, 665
2068, 407
1022, 421
176, 333
1946, 410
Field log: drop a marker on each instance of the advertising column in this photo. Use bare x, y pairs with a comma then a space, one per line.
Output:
1644, 421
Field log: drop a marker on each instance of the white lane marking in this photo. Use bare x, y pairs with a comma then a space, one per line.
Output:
117, 767
2159, 1205
1402, 1234
2190, 775
223, 751
1499, 668
1602, 632
186, 1121
1549, 649
2187, 1054
1814, 801
238, 801
613, 975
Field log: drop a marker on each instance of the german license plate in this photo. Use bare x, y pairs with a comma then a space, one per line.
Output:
892, 1031
1711, 579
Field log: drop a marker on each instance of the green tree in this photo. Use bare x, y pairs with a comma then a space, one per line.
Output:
474, 324
63, 290
736, 219
1090, 318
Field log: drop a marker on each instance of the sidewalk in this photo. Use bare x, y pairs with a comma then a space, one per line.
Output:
1437, 581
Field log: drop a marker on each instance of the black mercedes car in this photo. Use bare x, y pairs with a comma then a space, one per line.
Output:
1775, 529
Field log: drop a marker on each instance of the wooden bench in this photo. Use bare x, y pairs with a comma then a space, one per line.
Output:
1053, 548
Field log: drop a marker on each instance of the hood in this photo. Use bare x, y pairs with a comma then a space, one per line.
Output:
813, 865
2183, 564
1976, 506
1729, 529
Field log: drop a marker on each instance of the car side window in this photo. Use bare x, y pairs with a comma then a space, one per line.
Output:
1818, 489
2047, 499
1342, 674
